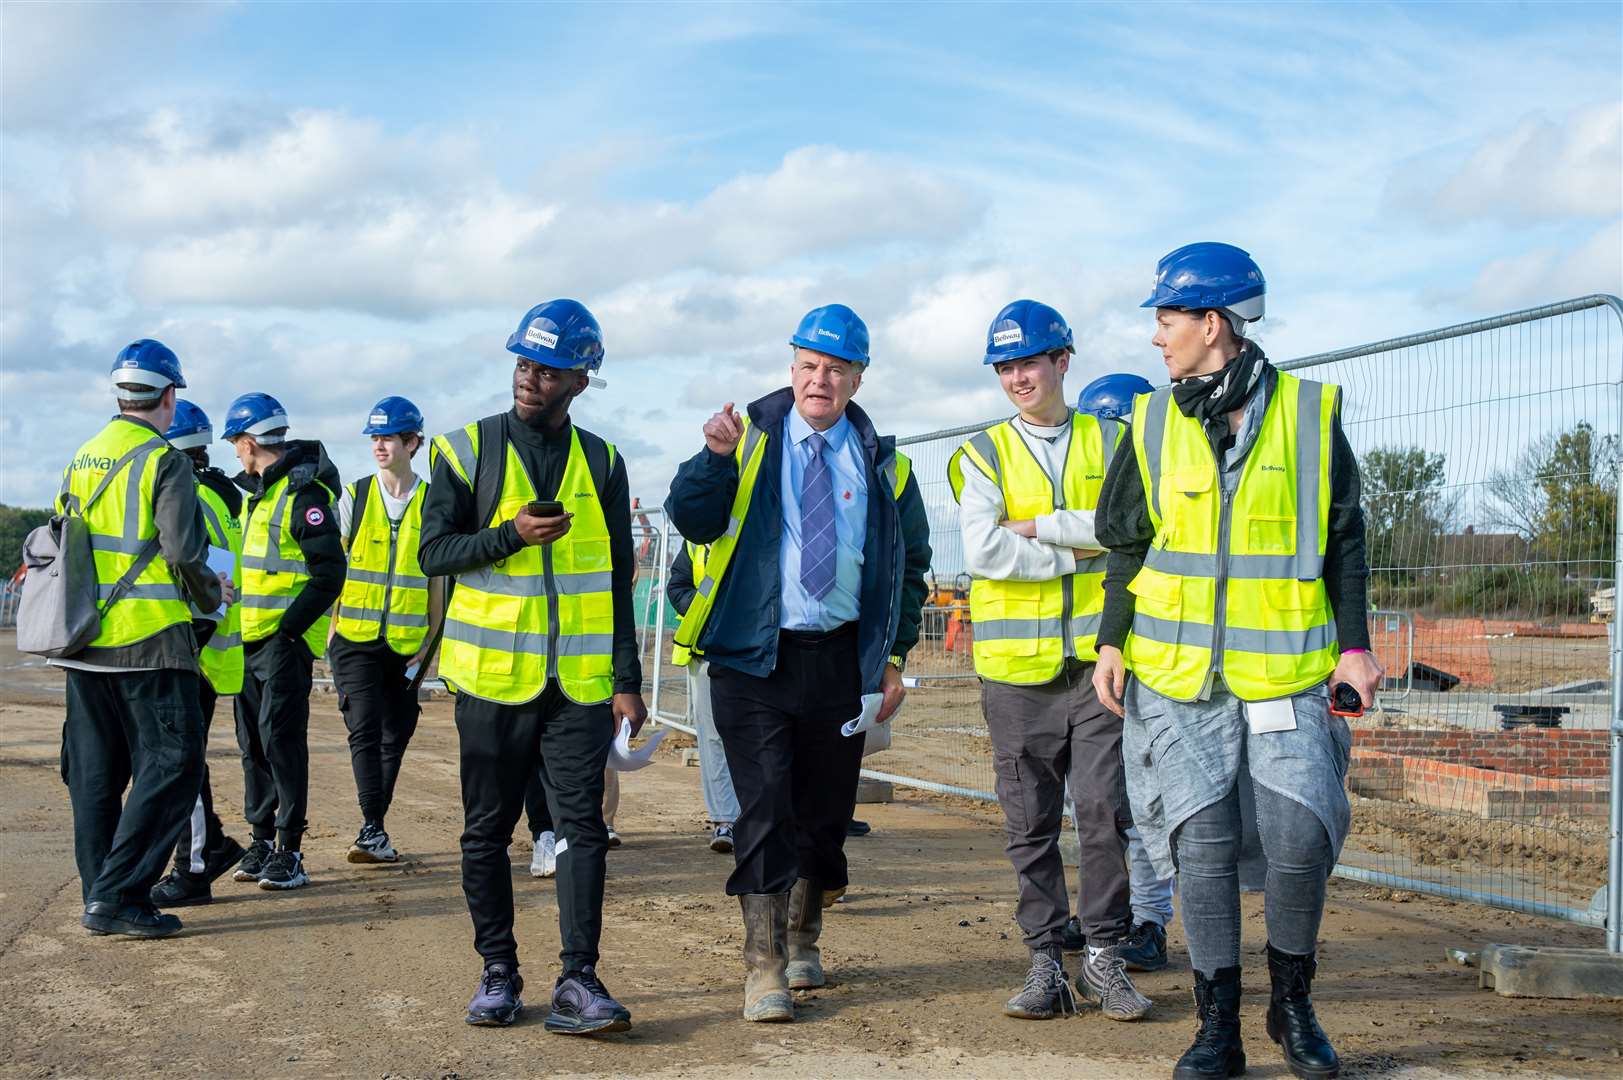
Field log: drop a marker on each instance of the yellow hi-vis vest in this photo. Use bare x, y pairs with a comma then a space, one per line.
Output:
750, 453
698, 553
385, 590
272, 567
1026, 630
221, 656
121, 524
547, 610
1235, 584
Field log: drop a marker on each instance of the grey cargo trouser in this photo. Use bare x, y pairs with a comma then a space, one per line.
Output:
1040, 736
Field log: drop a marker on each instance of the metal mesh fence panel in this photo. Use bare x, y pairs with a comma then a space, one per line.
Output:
1489, 455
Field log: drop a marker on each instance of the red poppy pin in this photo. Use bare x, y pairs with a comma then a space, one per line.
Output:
848, 496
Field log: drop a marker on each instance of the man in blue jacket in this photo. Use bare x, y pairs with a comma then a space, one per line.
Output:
810, 599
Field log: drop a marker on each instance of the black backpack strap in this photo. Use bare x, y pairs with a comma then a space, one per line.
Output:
357, 507
599, 459
489, 472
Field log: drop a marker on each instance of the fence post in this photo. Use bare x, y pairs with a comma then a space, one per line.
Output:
659, 612
1614, 869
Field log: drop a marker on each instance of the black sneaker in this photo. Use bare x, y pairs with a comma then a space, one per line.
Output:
252, 863
180, 889
372, 846
496, 1003
229, 854
284, 870
1071, 937
582, 1005
1145, 948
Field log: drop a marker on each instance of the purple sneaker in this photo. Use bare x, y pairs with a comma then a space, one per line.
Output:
581, 1005
496, 1003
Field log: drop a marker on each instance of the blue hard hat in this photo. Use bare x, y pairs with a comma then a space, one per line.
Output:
258, 415
1026, 328
836, 330
144, 369
393, 416
559, 334
1110, 397
190, 429
1210, 275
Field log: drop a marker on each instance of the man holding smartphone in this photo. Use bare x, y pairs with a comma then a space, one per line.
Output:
532, 516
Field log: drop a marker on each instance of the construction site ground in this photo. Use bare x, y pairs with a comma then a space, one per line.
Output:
366, 972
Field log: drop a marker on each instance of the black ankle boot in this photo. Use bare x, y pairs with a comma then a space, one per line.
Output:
1291, 1022
1216, 1053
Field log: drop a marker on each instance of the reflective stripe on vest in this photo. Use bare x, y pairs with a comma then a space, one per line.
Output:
271, 568
221, 655
121, 524
749, 454
1235, 585
1024, 631
547, 610
698, 554
385, 590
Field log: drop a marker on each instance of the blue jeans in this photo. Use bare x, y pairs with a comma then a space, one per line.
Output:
1297, 847
719, 799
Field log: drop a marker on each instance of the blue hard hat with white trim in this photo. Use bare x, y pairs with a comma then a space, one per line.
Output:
144, 369
559, 334
258, 415
1206, 275
1026, 328
1110, 397
393, 416
836, 330
190, 429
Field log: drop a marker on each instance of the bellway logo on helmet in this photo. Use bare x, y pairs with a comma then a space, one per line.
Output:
1008, 337
537, 336
378, 418
825, 332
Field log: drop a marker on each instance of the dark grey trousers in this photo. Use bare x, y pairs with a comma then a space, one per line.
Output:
1041, 735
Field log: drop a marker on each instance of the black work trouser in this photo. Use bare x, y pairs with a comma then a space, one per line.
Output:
535, 805
273, 732
380, 710
201, 834
1041, 736
794, 773
502, 746
136, 728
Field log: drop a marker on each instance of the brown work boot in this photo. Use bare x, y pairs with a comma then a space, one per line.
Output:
805, 968
766, 988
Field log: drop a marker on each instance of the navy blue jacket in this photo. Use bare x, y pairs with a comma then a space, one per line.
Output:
742, 631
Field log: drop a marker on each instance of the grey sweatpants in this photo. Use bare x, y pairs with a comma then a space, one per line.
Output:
1042, 735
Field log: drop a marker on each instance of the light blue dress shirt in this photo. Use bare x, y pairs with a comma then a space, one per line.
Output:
801, 611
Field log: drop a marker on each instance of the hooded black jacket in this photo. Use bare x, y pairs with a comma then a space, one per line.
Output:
312, 521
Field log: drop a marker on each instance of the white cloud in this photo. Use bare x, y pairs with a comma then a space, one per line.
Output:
55, 59
321, 211
1540, 170
1548, 274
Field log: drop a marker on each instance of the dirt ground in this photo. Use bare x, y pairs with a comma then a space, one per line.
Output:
366, 972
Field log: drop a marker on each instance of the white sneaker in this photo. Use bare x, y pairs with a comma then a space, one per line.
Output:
544, 863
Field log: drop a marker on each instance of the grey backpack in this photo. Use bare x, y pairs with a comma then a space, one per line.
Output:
60, 611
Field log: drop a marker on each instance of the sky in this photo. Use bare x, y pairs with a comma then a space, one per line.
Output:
338, 202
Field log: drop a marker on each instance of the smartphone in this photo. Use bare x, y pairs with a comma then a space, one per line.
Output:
1344, 700
544, 508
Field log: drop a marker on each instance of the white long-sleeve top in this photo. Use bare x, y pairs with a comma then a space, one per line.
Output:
990, 550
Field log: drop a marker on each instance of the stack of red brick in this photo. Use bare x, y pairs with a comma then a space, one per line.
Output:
1522, 775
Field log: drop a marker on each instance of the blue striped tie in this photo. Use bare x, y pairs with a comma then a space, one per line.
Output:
817, 538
